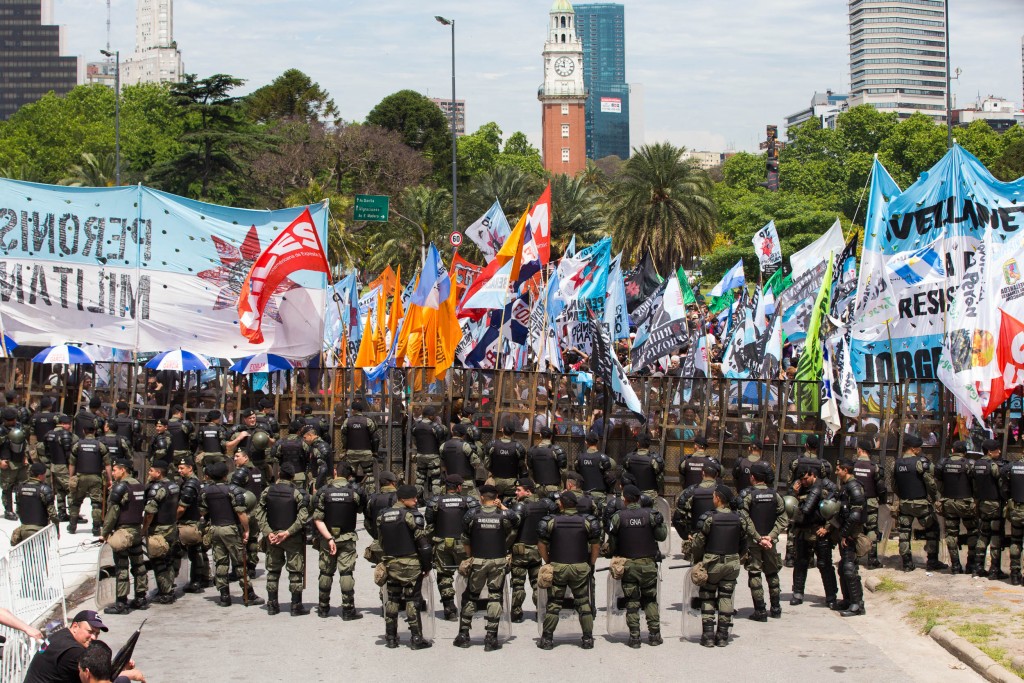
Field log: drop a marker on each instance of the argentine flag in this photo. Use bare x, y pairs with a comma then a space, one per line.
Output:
915, 267
733, 279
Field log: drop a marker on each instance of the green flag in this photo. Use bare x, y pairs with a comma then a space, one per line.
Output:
684, 284
779, 282
808, 369
716, 304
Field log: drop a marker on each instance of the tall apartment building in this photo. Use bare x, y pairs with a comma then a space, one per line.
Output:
156, 58
601, 28
445, 105
31, 64
898, 56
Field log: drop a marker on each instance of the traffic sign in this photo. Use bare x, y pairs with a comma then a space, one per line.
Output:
371, 207
455, 238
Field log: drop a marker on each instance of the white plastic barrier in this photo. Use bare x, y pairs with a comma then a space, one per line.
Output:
17, 655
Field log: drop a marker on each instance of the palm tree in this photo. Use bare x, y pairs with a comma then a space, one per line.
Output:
397, 242
514, 188
577, 208
342, 247
662, 203
94, 171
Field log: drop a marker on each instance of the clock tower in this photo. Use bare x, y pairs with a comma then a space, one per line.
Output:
563, 96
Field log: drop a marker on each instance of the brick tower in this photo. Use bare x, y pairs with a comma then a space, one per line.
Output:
563, 96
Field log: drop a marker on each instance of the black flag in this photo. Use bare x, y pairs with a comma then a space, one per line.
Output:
641, 282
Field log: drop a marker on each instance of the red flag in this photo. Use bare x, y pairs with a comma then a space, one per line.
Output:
540, 225
298, 247
1009, 361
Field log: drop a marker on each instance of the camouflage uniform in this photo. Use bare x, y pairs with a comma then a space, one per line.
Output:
633, 533
35, 509
13, 465
487, 534
124, 512
953, 478
989, 494
290, 553
407, 552
223, 507
570, 539
161, 517
915, 486
1013, 476
444, 516
335, 505
360, 442
89, 463
526, 560
428, 436
767, 512
54, 451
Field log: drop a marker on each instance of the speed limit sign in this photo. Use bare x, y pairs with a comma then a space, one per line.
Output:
455, 238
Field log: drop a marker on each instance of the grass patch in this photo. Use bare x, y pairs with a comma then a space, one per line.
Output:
977, 633
889, 585
929, 612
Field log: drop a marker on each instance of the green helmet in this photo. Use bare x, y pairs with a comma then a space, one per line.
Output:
829, 508
250, 500
260, 439
16, 436
791, 505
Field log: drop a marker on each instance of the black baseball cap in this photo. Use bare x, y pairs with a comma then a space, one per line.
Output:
90, 617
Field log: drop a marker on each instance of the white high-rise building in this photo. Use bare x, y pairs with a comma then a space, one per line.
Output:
157, 58
898, 56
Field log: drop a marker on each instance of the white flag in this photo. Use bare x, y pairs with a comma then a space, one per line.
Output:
821, 249
768, 249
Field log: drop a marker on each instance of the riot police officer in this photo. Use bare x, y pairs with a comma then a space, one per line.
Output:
54, 449
13, 465
851, 527
189, 536
915, 486
292, 449
767, 512
182, 433
282, 514
871, 476
406, 556
1014, 483
459, 457
505, 461
812, 533
35, 505
88, 416
526, 562
693, 502
595, 468
223, 506
250, 478
122, 529
160, 446
989, 494
428, 434
321, 458
822, 469
953, 479
360, 442
212, 441
691, 468
334, 515
44, 419
741, 470
546, 463
126, 427
646, 467
160, 528
444, 515
89, 467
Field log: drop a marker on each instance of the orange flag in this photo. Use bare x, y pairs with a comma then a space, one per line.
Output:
367, 356
386, 280
396, 305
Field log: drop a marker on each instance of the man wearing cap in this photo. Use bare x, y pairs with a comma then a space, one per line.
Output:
851, 526
212, 441
570, 543
292, 449
334, 514
767, 512
428, 434
459, 457
223, 506
811, 531
323, 428
282, 514
13, 465
160, 446
376, 503
407, 556
126, 426
741, 470
694, 501
953, 480
122, 529
646, 468
188, 525
89, 469
182, 433
634, 534
444, 516
691, 467
876, 492
360, 442
249, 477
487, 535
547, 463
44, 419
915, 487
505, 460
161, 522
58, 663
54, 450
989, 493
526, 562
88, 416
321, 457
250, 437
35, 504
721, 537
822, 470
585, 503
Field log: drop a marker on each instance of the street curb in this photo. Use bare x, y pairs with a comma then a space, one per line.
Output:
962, 649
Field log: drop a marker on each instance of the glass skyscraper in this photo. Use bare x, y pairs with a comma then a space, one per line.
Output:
30, 61
601, 29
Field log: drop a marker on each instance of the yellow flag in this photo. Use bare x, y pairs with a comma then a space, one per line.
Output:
512, 250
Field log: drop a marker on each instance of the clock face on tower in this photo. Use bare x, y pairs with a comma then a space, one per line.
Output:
564, 66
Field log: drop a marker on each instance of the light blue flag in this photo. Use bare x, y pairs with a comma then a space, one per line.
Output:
494, 293
435, 286
616, 317
732, 279
380, 371
570, 250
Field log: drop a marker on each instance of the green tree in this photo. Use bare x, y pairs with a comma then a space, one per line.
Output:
342, 247
397, 242
744, 170
422, 124
92, 172
514, 188
292, 94
576, 209
520, 154
663, 204
1010, 164
478, 151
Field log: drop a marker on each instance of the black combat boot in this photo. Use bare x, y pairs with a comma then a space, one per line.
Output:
1015, 577
391, 636
298, 609
654, 638
491, 642
323, 610
119, 607
273, 606
417, 642
95, 529
164, 599
759, 613
908, 563
997, 575
10, 516
873, 562
517, 616
350, 614
140, 602
955, 567
63, 517
225, 597
971, 564
587, 642
855, 609
253, 598
797, 599
776, 611
933, 564
634, 641
450, 611
707, 638
462, 640
722, 636
546, 641
194, 587
73, 527
839, 605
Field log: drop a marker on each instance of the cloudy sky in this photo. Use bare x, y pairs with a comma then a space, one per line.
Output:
713, 73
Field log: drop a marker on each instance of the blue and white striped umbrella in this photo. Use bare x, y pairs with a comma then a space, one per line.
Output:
261, 362
9, 345
63, 355
179, 360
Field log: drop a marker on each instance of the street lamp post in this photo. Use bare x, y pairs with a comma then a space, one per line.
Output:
117, 112
455, 184
949, 86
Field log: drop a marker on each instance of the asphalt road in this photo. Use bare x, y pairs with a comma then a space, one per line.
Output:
195, 639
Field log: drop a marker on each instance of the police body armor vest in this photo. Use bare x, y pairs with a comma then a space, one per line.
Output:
250, 479
291, 452
544, 466
54, 445
340, 508
424, 438
569, 543
209, 439
504, 460
83, 419
726, 534
1016, 476
42, 423
396, 538
636, 534
532, 512
268, 424
88, 460
762, 510
189, 499
986, 486
815, 464
590, 470
454, 460
113, 444
642, 469
585, 504
451, 509
133, 503
219, 505
378, 503
743, 474
864, 471
909, 484
956, 478
282, 508
31, 508
693, 471
125, 428
179, 439
167, 512
487, 535
357, 436
702, 501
